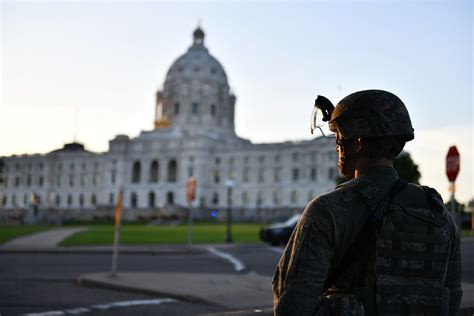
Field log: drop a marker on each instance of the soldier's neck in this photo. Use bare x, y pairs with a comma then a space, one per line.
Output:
364, 164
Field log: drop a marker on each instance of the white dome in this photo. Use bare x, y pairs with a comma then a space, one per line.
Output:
196, 94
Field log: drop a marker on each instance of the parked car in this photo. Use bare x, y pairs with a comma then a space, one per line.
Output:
279, 233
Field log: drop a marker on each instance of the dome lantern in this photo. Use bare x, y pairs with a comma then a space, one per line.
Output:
198, 36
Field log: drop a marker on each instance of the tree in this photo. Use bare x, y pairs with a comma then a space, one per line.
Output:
407, 169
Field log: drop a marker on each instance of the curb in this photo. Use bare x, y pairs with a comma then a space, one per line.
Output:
188, 298
101, 250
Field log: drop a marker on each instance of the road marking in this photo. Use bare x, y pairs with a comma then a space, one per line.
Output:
276, 249
91, 308
238, 265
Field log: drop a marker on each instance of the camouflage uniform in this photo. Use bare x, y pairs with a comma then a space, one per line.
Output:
327, 228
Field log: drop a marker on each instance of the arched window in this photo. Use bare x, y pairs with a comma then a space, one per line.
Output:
93, 199
136, 170
154, 169
151, 199
172, 171
133, 200
215, 198
170, 198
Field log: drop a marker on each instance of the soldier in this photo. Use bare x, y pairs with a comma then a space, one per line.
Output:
376, 245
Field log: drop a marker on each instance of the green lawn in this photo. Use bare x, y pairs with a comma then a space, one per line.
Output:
133, 234
8, 232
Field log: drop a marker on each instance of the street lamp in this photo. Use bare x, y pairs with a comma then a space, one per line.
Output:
229, 185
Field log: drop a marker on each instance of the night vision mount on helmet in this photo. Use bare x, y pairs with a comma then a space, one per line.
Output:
368, 113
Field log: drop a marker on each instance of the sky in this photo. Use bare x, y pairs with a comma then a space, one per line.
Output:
89, 70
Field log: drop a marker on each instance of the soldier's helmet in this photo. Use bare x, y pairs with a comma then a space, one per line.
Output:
372, 113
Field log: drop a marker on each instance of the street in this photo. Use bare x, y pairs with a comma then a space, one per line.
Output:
45, 282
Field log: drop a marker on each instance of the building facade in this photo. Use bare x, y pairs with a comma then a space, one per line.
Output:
193, 135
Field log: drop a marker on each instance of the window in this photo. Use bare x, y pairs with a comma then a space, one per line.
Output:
58, 200
172, 171
231, 161
93, 199
216, 176
41, 166
246, 160
136, 170
261, 159
259, 198
14, 200
331, 174
276, 174
245, 198
40, 181
58, 180
69, 200
213, 110
176, 108
231, 174
295, 156
81, 200
294, 197
195, 108
133, 200
213, 71
190, 171
71, 180
295, 174
170, 198
28, 180
83, 166
17, 181
113, 176
25, 200
151, 199
215, 198
217, 161
83, 180
95, 179
313, 174
154, 171
276, 198
261, 175
111, 198
246, 174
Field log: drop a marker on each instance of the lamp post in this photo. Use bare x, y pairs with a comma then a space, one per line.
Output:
229, 185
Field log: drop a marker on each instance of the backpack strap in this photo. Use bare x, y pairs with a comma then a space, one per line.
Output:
358, 251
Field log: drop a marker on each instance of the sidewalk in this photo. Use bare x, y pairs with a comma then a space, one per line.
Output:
231, 291
242, 294
49, 238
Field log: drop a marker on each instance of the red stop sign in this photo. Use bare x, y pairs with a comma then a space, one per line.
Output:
452, 163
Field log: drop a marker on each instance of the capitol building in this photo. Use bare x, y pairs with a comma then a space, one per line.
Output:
193, 135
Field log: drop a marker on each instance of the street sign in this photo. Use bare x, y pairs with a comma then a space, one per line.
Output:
191, 189
452, 163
